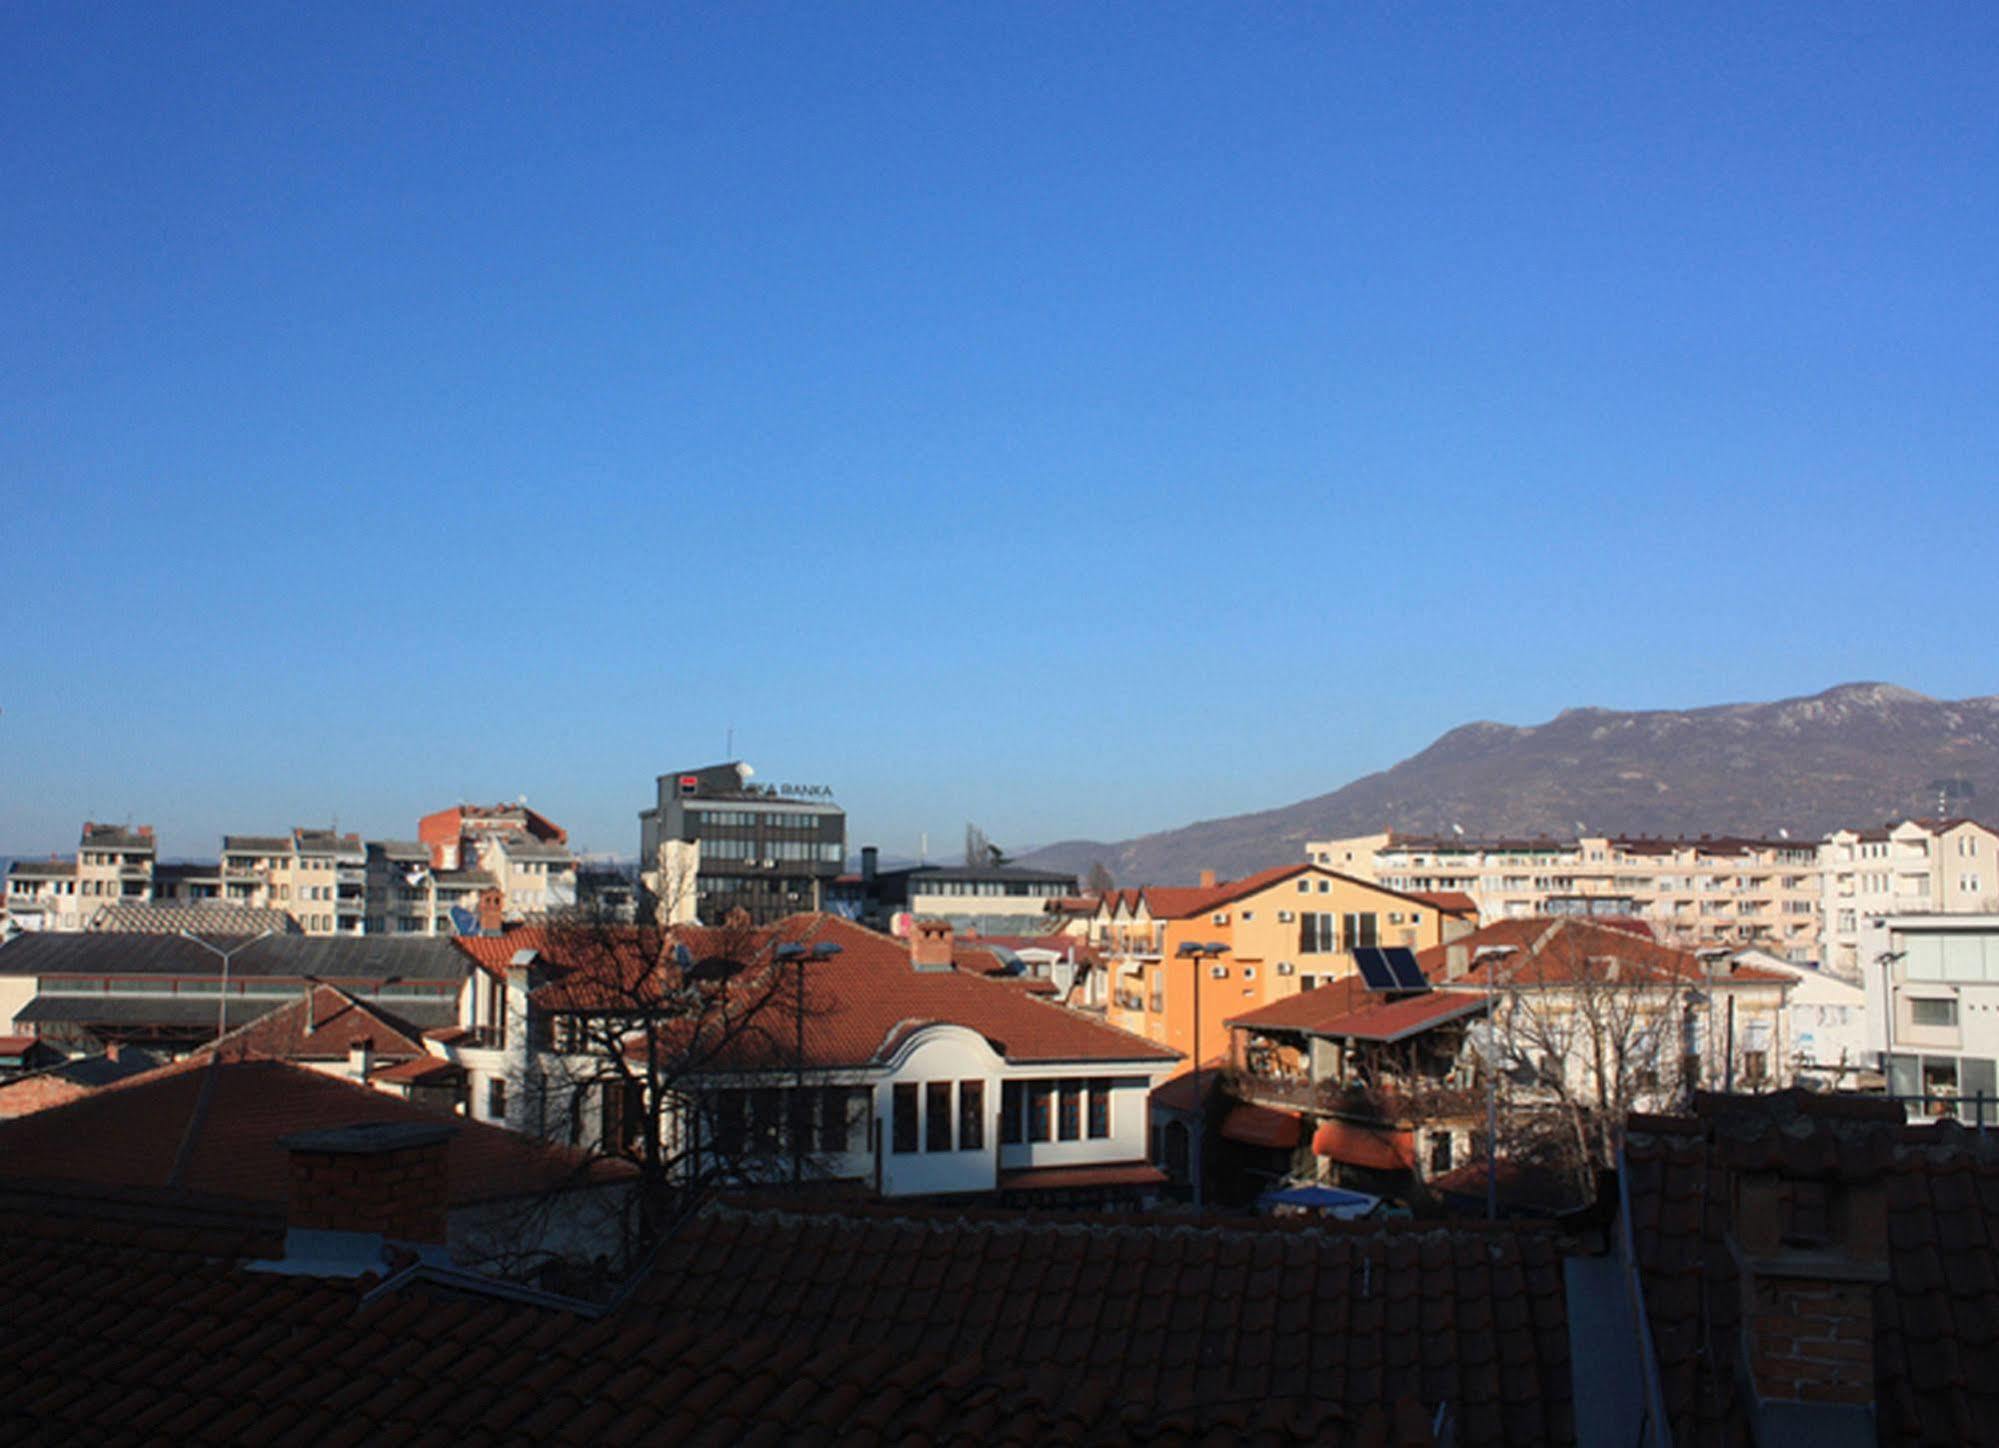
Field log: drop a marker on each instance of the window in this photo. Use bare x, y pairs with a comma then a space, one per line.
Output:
1325, 887
937, 1116
1038, 1093
1013, 1111
1932, 1011
496, 1099
1318, 933
1361, 931
1304, 887
1069, 1120
766, 1110
971, 1116
1440, 1152
1100, 1108
835, 1122
905, 1116
1308, 982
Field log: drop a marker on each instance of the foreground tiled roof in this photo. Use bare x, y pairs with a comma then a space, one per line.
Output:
1936, 1331
143, 1334
215, 1128
1178, 1317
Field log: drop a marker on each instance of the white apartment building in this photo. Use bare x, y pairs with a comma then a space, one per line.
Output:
1932, 984
1920, 866
1713, 892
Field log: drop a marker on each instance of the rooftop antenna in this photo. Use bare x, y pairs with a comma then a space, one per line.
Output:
729, 748
923, 848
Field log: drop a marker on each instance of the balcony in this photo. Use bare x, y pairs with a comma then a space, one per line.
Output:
1388, 1102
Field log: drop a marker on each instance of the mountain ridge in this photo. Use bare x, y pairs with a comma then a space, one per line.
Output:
1854, 754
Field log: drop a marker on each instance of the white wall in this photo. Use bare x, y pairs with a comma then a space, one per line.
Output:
15, 993
956, 1055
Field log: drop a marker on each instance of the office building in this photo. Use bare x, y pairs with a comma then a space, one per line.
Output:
714, 842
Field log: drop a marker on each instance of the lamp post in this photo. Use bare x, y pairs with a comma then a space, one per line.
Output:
1199, 954
222, 1000
797, 954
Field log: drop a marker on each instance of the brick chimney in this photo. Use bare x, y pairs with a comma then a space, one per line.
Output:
383, 1181
1457, 960
1811, 1237
1207, 879
492, 908
930, 944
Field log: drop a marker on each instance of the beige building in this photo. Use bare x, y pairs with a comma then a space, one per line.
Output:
1917, 867
1720, 891
317, 877
112, 863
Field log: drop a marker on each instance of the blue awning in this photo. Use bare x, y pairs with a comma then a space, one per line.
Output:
1337, 1200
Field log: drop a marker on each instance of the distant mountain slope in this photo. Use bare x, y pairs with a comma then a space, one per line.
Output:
1854, 755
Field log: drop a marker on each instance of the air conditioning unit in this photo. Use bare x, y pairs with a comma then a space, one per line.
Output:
1286, 917
1285, 967
770, 864
1219, 972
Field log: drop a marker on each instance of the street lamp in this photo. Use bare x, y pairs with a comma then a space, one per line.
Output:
1199, 954
797, 954
222, 1000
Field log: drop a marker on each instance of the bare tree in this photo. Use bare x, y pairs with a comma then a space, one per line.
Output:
980, 851
678, 1050
1580, 1042
1099, 881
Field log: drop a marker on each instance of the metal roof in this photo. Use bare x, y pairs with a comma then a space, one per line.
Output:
340, 957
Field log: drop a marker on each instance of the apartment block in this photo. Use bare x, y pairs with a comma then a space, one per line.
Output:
1917, 867
112, 863
1717, 891
510, 848
318, 877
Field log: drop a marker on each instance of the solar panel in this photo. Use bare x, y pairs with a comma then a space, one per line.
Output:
1401, 961
1373, 968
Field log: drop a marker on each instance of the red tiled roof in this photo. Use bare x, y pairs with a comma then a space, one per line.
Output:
419, 1070
860, 1003
214, 1127
1451, 902
1936, 1320
1164, 1315
1262, 1126
138, 1336
1181, 902
1346, 1007
18, 1045
1364, 1146
1564, 949
338, 1022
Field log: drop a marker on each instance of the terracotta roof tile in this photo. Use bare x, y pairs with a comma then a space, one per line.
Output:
1936, 1325
158, 1131
859, 1005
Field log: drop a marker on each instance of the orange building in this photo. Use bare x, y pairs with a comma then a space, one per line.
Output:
1281, 931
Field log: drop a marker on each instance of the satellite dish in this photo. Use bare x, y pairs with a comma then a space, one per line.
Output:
1457, 829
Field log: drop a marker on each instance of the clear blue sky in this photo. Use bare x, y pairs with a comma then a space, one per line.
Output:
1077, 418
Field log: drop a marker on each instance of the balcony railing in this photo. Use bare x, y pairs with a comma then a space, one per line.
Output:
1383, 1102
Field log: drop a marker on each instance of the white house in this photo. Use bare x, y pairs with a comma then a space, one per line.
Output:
1826, 1019
919, 1078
